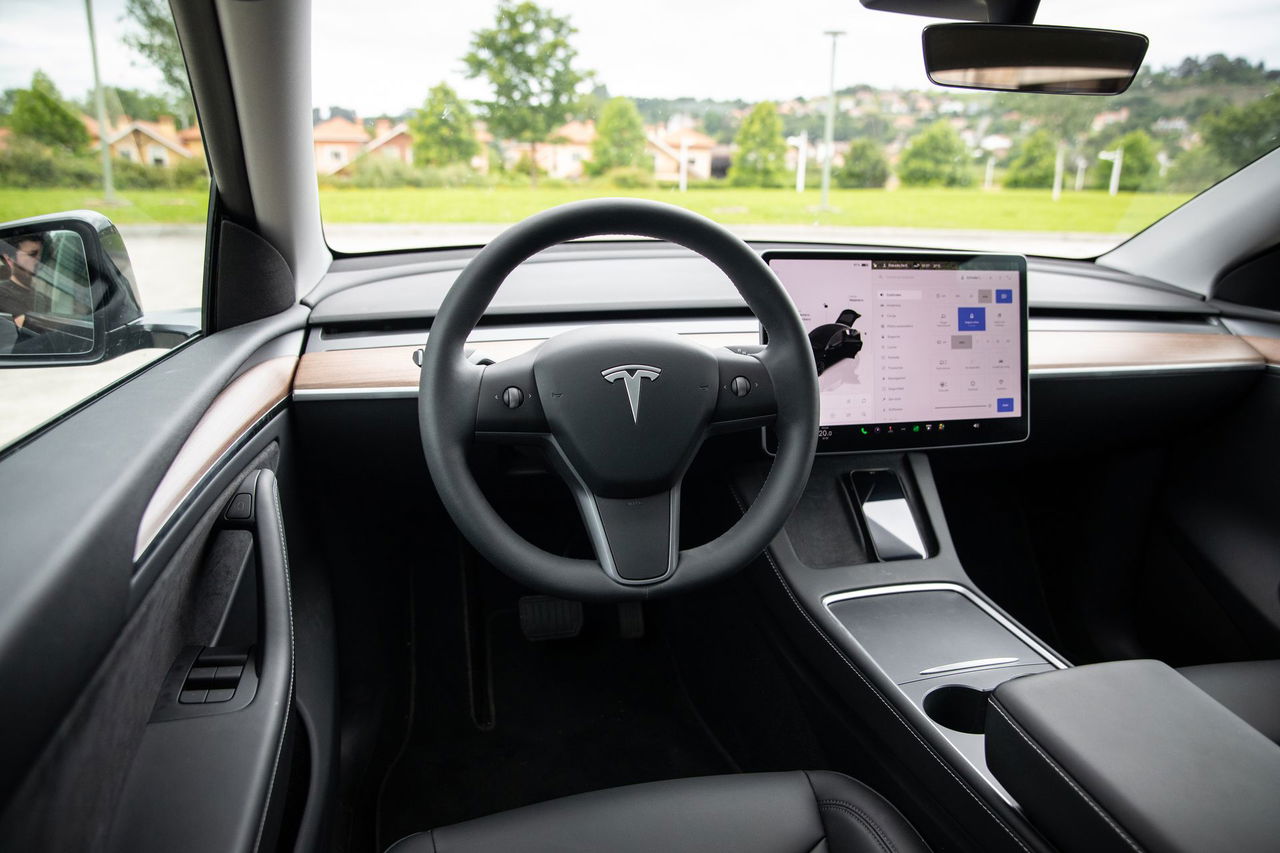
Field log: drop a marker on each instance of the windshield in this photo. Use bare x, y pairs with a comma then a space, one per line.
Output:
435, 128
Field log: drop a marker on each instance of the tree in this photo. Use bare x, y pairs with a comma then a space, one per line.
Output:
442, 129
1034, 162
157, 41
590, 104
1241, 134
7, 99
1196, 170
134, 103
528, 60
761, 158
865, 166
720, 125
40, 114
1067, 119
1140, 170
936, 158
619, 141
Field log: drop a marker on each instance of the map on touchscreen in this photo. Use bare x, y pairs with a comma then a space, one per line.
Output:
912, 341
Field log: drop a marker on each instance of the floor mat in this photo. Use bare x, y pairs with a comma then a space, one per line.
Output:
568, 716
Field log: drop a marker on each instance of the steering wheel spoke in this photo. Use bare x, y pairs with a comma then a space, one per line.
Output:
746, 398
509, 405
637, 540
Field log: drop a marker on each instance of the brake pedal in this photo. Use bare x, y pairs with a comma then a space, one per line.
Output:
631, 620
543, 617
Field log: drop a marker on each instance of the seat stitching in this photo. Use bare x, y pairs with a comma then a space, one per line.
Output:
1066, 778
876, 692
879, 835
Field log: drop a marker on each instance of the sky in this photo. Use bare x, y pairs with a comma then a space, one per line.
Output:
381, 56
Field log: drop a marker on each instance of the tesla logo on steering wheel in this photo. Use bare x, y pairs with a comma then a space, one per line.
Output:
631, 374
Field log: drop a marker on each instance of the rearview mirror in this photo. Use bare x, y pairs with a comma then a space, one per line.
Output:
67, 294
1017, 58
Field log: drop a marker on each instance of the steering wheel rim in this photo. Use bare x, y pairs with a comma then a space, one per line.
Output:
454, 393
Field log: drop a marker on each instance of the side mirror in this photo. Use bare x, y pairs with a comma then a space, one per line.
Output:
1018, 58
67, 292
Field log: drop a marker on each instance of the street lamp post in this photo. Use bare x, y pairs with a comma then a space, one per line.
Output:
828, 137
100, 103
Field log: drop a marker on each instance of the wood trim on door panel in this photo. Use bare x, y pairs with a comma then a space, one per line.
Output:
235, 411
392, 368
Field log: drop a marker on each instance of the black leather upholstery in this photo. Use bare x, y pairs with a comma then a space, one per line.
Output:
1251, 689
797, 812
1128, 756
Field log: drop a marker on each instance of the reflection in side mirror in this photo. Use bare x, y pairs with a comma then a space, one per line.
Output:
1016, 58
67, 294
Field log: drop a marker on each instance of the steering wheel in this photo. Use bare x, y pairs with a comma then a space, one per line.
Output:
622, 411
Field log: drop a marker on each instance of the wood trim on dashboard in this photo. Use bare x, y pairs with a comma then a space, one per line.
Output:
235, 411
1268, 348
392, 368
1065, 351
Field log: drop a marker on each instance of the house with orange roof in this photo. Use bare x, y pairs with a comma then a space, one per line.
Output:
152, 143
665, 146
391, 141
566, 154
336, 142
192, 140
563, 155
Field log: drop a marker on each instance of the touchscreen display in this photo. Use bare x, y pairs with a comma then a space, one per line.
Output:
913, 350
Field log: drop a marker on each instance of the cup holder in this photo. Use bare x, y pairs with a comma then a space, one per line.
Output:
957, 707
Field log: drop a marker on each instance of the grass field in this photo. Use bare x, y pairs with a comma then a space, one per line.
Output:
1005, 210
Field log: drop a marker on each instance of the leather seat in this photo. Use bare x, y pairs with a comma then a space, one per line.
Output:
796, 812
1251, 689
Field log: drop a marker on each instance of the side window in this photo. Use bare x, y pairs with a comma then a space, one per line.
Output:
103, 198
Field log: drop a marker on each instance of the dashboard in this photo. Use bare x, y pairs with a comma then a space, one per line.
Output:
1112, 358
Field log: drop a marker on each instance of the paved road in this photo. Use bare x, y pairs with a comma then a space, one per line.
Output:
168, 261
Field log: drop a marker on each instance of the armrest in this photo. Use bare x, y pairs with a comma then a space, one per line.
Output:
1132, 756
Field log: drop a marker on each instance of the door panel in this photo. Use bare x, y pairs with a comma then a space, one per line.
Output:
85, 629
210, 771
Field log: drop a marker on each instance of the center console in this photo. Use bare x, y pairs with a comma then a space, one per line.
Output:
879, 602
982, 720
913, 351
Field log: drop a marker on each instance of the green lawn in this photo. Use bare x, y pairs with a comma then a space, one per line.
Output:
1006, 210
157, 206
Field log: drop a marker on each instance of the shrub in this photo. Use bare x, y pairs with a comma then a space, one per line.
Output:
865, 167
629, 178
26, 164
1139, 171
760, 158
191, 174
936, 158
1196, 170
388, 173
130, 175
1034, 162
